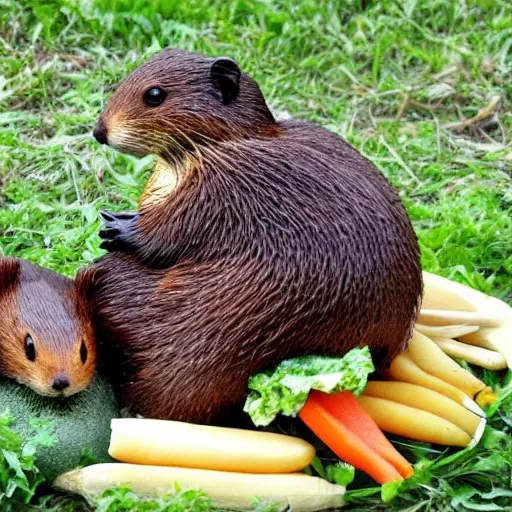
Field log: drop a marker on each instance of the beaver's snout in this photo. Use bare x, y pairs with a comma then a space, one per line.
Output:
100, 132
60, 383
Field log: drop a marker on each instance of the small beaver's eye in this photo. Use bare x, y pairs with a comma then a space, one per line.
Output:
154, 96
30, 348
83, 352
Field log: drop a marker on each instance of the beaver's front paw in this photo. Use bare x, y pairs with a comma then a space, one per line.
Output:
120, 231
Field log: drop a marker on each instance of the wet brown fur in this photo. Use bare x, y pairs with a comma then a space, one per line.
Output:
279, 240
48, 307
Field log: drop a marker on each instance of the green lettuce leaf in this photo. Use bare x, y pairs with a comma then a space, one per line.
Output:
285, 389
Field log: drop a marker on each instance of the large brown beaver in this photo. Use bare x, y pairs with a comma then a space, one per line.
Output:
256, 241
46, 335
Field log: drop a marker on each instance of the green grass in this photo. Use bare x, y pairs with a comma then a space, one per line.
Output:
396, 80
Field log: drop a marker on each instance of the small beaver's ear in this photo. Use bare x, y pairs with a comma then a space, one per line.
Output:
9, 274
225, 75
86, 284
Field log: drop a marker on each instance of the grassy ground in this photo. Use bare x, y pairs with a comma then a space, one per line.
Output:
402, 81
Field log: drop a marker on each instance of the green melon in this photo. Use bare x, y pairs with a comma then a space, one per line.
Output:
82, 423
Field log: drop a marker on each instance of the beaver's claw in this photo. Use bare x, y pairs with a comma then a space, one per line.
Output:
119, 231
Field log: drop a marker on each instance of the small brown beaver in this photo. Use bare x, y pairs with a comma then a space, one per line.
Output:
46, 336
256, 241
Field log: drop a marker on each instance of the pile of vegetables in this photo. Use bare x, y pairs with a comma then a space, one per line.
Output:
424, 395
320, 390
466, 323
232, 466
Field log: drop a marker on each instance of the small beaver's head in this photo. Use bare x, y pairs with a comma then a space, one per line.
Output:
46, 340
177, 101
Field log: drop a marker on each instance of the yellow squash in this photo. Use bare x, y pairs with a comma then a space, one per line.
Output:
172, 443
497, 338
441, 317
473, 354
413, 423
427, 400
404, 369
233, 491
431, 359
442, 293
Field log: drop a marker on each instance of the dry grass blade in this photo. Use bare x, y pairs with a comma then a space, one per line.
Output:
486, 112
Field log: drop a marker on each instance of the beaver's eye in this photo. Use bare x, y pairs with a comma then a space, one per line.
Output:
30, 348
83, 352
154, 96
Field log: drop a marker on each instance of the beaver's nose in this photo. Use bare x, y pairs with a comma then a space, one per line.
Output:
100, 132
60, 383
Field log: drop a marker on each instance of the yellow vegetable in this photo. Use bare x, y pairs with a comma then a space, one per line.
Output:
171, 443
413, 423
479, 356
441, 293
227, 490
439, 317
427, 400
446, 331
497, 338
431, 359
404, 369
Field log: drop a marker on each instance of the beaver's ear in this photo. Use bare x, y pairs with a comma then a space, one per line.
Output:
9, 274
225, 75
86, 284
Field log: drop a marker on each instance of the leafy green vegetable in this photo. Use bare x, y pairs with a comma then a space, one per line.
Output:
19, 477
122, 499
285, 389
390, 490
340, 473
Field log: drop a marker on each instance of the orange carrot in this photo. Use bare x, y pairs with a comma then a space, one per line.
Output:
345, 408
344, 443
